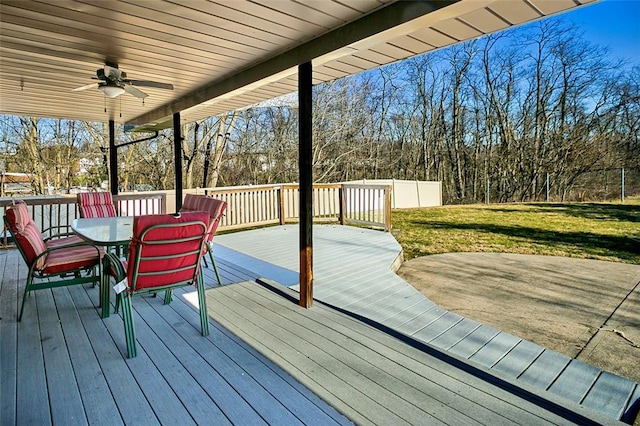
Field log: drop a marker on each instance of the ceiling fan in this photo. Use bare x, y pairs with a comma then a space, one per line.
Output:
114, 83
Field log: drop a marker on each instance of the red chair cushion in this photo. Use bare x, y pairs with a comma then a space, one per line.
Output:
26, 234
32, 244
68, 259
204, 203
96, 204
182, 266
192, 203
18, 216
56, 242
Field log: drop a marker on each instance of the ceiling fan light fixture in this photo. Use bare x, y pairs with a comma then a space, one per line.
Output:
111, 90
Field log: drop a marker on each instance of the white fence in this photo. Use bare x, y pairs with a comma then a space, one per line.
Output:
409, 193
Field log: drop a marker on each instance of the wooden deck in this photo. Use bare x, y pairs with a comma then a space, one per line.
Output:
64, 365
267, 361
371, 376
353, 272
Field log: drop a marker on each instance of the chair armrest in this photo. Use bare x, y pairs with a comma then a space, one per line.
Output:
113, 266
58, 234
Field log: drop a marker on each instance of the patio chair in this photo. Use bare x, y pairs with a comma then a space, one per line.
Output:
96, 204
165, 253
216, 209
55, 261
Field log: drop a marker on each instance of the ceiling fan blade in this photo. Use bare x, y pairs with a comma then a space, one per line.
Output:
133, 91
147, 83
88, 86
112, 73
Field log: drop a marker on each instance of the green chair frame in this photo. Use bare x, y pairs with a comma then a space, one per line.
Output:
39, 280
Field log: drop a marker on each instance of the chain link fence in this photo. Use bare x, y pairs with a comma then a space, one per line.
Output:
601, 185
615, 185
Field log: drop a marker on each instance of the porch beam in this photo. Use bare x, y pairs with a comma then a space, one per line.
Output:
113, 159
177, 159
305, 166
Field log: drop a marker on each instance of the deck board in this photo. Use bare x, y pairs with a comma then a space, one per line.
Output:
545, 369
90, 380
346, 361
280, 393
8, 339
576, 380
472, 343
66, 404
489, 354
31, 375
354, 376
129, 398
288, 357
518, 359
607, 390
455, 334
437, 328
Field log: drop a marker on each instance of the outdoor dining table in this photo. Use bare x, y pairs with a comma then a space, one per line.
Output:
109, 232
104, 231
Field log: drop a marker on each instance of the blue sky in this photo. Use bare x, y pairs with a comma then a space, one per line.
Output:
612, 23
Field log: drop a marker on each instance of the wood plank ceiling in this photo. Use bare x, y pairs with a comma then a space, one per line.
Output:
219, 55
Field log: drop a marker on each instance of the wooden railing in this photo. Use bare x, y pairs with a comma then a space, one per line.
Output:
368, 205
59, 210
139, 203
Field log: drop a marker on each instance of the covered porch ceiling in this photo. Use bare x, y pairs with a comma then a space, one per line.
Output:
219, 55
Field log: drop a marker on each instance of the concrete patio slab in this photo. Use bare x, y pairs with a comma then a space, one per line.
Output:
585, 309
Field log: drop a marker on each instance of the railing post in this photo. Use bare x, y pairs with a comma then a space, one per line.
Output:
387, 209
343, 204
281, 212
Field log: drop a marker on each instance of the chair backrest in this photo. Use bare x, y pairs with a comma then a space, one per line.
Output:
25, 233
96, 204
166, 250
204, 203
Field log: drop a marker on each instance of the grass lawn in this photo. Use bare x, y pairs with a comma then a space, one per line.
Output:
584, 230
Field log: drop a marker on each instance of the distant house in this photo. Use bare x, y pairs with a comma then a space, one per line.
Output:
15, 183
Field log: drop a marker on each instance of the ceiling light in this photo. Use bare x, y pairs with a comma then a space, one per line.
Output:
111, 90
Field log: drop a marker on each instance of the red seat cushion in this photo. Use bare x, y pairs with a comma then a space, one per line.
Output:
56, 242
70, 258
177, 260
